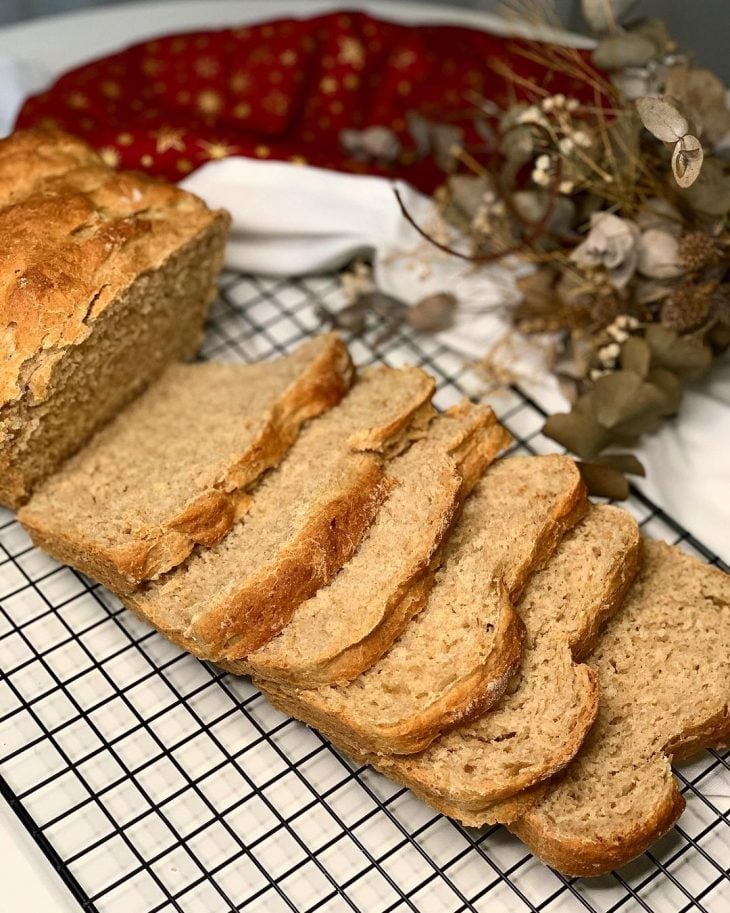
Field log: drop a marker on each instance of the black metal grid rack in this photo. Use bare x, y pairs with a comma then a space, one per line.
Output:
154, 782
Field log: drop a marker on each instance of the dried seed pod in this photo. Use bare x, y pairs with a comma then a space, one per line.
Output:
687, 308
687, 160
433, 313
697, 250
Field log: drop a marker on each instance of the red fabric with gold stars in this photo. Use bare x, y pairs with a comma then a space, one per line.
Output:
282, 90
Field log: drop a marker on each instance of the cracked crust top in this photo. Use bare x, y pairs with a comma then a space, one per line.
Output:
74, 233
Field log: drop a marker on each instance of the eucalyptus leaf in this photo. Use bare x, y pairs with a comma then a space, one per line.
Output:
632, 429
636, 356
662, 118
687, 160
603, 15
655, 30
432, 314
670, 385
686, 356
467, 192
604, 481
578, 432
627, 49
710, 193
622, 397
623, 462
702, 93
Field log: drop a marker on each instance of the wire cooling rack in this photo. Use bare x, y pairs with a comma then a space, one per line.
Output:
153, 782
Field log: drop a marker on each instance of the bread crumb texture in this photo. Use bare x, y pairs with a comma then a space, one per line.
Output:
663, 671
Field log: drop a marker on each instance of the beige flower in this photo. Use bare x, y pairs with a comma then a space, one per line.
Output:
611, 244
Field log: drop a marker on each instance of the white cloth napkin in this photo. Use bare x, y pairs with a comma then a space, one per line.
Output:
293, 220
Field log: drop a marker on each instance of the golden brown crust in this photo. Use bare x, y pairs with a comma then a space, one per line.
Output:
482, 440
591, 858
74, 234
586, 857
465, 699
485, 802
352, 661
209, 515
251, 615
599, 850
566, 515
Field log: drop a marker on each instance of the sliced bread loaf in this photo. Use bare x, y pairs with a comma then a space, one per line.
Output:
456, 656
540, 723
306, 520
175, 467
663, 669
347, 626
105, 279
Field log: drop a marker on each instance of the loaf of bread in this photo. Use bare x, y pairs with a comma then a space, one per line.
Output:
348, 625
427, 610
176, 467
663, 672
474, 772
105, 278
455, 658
306, 520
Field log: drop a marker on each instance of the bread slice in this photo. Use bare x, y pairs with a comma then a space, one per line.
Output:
456, 656
348, 625
542, 720
663, 669
105, 279
174, 469
306, 520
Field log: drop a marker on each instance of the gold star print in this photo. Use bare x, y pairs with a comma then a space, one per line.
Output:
147, 161
242, 110
207, 67
288, 58
168, 138
109, 156
350, 81
110, 89
328, 85
151, 66
262, 152
209, 101
404, 59
351, 52
184, 165
179, 45
260, 55
217, 150
125, 139
276, 103
240, 82
78, 101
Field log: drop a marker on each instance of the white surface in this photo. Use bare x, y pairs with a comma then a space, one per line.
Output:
29, 883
